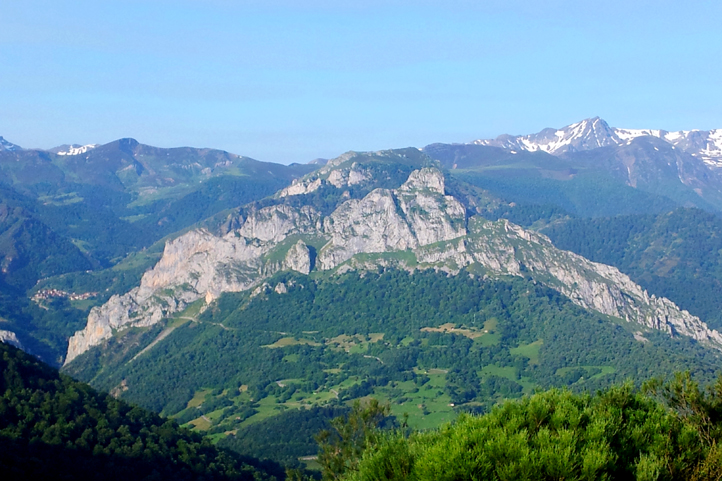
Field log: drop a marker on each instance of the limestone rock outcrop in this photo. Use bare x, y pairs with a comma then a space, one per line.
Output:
417, 226
9, 337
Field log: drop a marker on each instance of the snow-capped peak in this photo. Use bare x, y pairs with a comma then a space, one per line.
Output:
585, 135
77, 149
595, 132
707, 145
7, 146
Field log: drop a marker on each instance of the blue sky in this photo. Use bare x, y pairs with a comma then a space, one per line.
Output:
291, 81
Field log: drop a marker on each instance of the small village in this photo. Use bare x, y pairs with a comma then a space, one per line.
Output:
45, 294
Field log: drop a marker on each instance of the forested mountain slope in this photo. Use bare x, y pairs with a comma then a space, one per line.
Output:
418, 225
79, 212
429, 343
52, 427
676, 255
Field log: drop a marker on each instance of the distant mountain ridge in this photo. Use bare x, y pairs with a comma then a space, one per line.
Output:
80, 208
8, 146
594, 133
585, 166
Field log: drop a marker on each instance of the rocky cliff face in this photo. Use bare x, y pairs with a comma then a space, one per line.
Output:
9, 337
416, 226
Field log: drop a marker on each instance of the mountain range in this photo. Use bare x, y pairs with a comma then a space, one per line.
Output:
594, 133
224, 291
85, 212
418, 220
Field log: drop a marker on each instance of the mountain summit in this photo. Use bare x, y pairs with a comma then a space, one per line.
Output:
593, 133
5, 145
585, 135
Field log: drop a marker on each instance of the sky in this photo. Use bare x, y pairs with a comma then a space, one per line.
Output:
291, 81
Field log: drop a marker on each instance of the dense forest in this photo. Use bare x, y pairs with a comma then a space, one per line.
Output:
52, 427
676, 255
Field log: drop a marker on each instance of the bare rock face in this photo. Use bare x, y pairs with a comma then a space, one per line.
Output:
9, 337
426, 227
200, 265
588, 284
300, 187
298, 258
416, 214
330, 174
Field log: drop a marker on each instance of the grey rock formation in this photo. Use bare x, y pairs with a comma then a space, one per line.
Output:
9, 337
298, 258
416, 226
330, 174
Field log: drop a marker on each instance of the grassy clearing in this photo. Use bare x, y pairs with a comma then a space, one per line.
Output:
198, 398
431, 372
427, 406
290, 341
530, 351
286, 382
202, 423
148, 195
279, 252
61, 199
267, 407
85, 304
142, 259
134, 218
450, 328
356, 344
507, 372
291, 358
604, 370
491, 337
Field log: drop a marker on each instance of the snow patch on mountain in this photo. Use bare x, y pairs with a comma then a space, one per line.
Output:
585, 135
8, 146
77, 149
705, 145
594, 133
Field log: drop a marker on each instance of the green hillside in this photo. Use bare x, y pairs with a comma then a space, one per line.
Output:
90, 224
52, 427
675, 255
430, 344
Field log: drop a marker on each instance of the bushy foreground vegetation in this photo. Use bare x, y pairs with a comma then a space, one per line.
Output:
52, 427
667, 431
